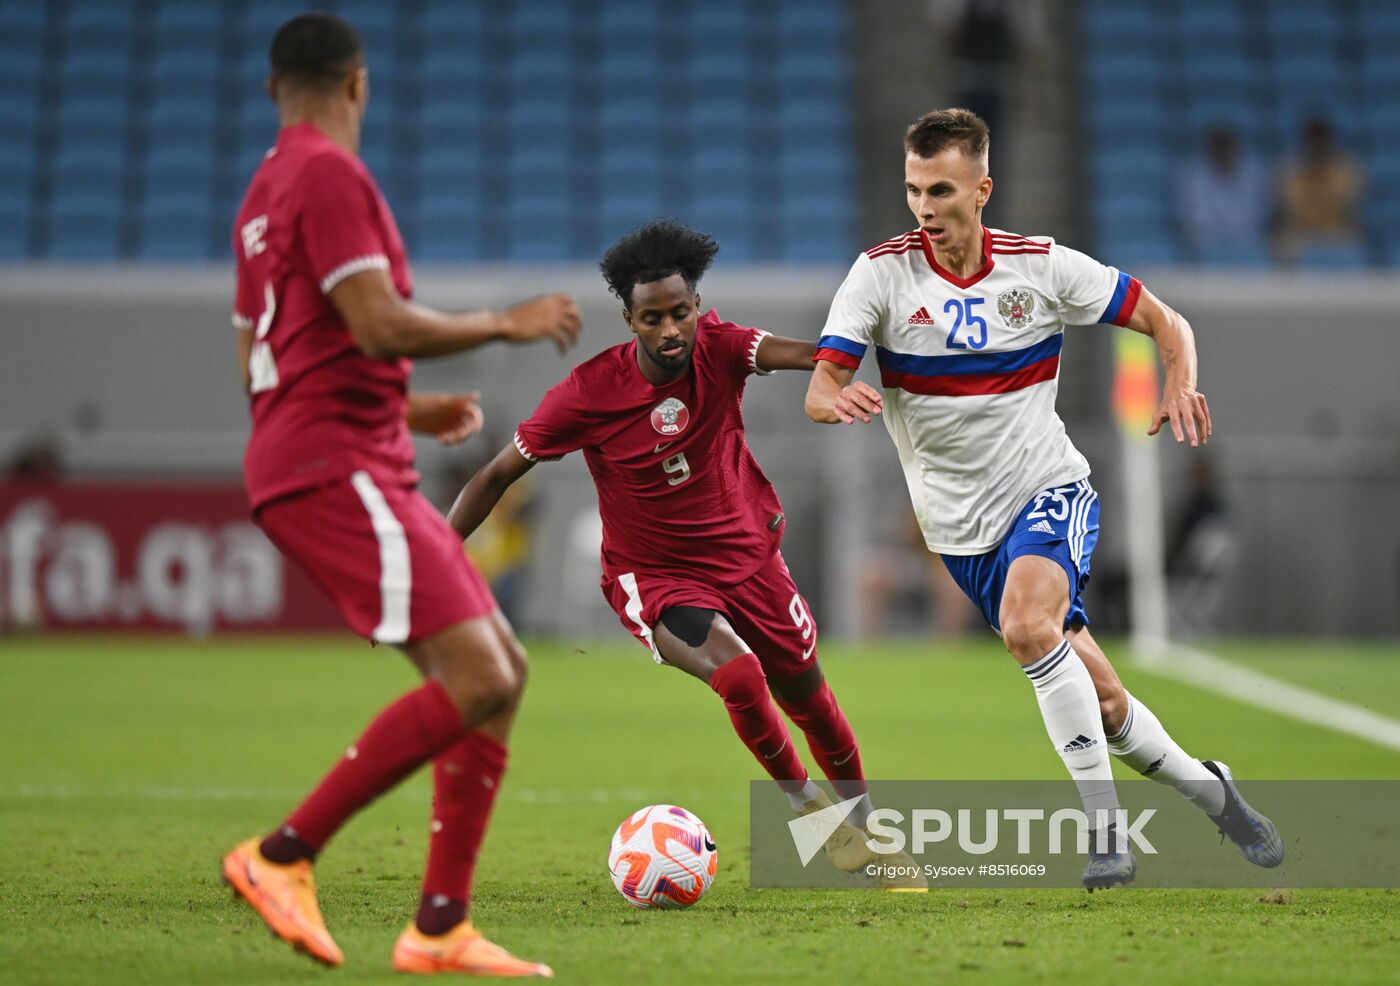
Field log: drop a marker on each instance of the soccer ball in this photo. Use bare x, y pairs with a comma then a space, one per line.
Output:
662, 857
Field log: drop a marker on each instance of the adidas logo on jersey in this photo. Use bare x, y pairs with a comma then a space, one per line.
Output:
1080, 742
921, 317
1042, 527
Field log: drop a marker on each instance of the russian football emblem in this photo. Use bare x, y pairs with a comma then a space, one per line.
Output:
670, 417
1016, 305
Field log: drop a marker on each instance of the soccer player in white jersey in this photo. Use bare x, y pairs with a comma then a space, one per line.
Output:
967, 324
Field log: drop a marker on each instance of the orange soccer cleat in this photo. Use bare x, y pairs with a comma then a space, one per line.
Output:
462, 950
285, 897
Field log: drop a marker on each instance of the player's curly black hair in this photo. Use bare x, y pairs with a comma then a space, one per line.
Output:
656, 251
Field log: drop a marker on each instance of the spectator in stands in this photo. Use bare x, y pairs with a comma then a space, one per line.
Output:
1319, 196
1223, 205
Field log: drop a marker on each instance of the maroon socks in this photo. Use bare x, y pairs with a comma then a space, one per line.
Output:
466, 777
830, 738
411, 731
744, 688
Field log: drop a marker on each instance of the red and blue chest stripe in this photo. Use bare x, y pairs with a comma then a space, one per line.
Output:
973, 374
961, 375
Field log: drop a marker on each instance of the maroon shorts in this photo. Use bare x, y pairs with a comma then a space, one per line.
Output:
394, 568
765, 610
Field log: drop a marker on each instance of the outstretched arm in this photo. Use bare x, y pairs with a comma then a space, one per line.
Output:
1182, 404
450, 418
384, 324
484, 490
832, 398
778, 353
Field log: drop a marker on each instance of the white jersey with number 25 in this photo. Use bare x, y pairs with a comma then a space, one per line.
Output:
970, 368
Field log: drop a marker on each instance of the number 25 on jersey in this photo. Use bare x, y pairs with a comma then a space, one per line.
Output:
965, 320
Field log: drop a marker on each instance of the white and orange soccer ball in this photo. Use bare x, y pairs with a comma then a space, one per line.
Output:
662, 857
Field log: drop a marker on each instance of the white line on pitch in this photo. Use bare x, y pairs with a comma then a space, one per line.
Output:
1215, 674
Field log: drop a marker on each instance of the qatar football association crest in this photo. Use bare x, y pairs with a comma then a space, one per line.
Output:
670, 417
1016, 305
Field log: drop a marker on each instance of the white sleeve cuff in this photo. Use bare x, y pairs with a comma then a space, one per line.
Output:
520, 447
758, 336
357, 265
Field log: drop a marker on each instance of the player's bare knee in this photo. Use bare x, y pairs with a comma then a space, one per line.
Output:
491, 688
479, 677
517, 657
701, 663
1028, 637
504, 679
520, 664
706, 667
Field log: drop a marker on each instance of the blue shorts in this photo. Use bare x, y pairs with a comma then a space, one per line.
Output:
1060, 523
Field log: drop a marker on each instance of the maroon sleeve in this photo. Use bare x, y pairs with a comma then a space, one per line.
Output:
735, 346
560, 424
340, 221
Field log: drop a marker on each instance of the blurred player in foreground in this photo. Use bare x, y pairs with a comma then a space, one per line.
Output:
967, 323
326, 334
691, 526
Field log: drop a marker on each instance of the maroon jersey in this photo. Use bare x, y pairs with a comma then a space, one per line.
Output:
678, 489
322, 410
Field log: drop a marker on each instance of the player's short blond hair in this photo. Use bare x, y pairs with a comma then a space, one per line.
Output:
938, 130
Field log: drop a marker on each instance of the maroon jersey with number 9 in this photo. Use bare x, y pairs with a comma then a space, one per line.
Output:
678, 489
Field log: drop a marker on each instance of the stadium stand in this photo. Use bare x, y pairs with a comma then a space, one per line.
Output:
128, 128
500, 130
1260, 68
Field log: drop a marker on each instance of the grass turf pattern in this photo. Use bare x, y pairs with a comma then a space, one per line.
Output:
127, 768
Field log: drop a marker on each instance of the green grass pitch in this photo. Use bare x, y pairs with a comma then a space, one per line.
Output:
127, 768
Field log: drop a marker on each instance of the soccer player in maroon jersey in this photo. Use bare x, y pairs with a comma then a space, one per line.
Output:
326, 334
691, 526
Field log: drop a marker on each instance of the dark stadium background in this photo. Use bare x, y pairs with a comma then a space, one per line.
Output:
516, 139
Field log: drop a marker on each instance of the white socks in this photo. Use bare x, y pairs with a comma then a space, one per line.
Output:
1070, 707
860, 811
808, 792
1144, 745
